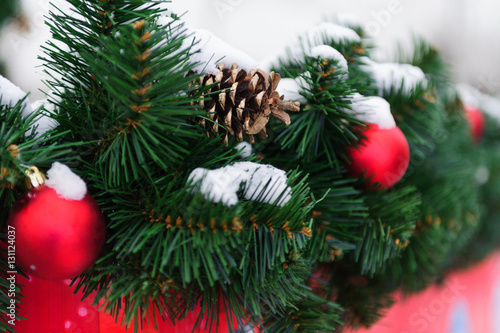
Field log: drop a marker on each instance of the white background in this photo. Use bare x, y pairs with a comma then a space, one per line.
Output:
466, 31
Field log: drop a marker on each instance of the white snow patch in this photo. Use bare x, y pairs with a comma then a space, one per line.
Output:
244, 148
328, 52
168, 21
291, 89
491, 106
372, 110
10, 95
400, 77
65, 182
328, 30
262, 183
44, 122
469, 95
213, 50
474, 97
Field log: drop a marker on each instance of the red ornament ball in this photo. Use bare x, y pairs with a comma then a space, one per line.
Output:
56, 238
383, 157
476, 121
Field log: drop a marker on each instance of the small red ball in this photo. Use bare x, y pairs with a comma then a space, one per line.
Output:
476, 121
56, 238
383, 157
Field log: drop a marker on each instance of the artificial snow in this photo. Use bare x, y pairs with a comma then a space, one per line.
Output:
469, 95
326, 30
10, 95
328, 52
65, 182
167, 21
43, 122
473, 97
291, 89
400, 77
372, 110
261, 183
244, 148
491, 106
208, 51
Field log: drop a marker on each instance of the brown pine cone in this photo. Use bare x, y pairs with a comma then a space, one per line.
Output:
244, 106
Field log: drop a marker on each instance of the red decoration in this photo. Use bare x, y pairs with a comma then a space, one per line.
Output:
477, 123
52, 306
56, 238
383, 156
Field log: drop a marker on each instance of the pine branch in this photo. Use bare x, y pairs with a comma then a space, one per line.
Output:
123, 86
393, 214
323, 126
21, 148
313, 314
179, 239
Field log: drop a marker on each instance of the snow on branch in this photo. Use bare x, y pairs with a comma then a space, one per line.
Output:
400, 77
10, 95
261, 183
208, 51
372, 110
65, 182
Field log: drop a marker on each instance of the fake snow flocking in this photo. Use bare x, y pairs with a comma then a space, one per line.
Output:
261, 183
65, 182
372, 110
400, 77
10, 95
209, 50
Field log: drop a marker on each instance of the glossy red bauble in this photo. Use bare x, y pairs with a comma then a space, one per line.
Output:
383, 157
56, 238
477, 123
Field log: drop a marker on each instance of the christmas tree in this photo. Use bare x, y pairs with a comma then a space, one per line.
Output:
363, 178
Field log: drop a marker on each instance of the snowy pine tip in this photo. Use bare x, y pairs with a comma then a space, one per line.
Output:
208, 51
372, 110
337, 33
261, 183
10, 95
65, 182
328, 52
399, 77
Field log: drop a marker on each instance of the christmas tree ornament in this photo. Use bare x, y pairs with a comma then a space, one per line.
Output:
246, 103
59, 227
246, 96
382, 157
476, 121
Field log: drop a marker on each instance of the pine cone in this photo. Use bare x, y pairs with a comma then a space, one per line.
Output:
246, 105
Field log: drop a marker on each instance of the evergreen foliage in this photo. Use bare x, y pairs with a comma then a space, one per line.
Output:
126, 102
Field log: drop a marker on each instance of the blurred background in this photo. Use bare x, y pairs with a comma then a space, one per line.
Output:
466, 31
